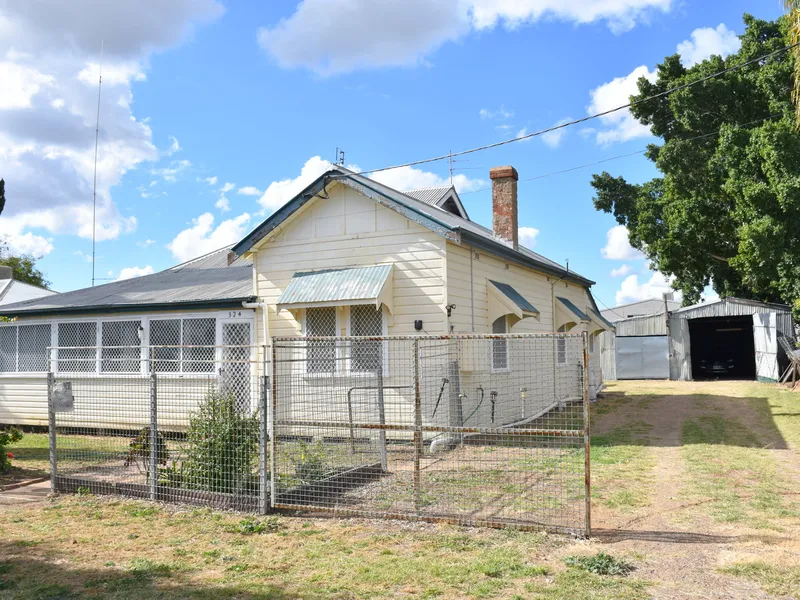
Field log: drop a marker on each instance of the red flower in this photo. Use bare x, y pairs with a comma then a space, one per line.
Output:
9, 455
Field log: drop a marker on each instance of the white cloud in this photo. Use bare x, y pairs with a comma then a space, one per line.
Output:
249, 190
280, 192
339, 36
708, 41
409, 178
633, 291
145, 243
617, 92
49, 53
621, 271
501, 113
227, 187
173, 171
210, 180
202, 237
527, 236
522, 133
618, 247
87, 257
131, 272
28, 243
175, 146
222, 204
554, 138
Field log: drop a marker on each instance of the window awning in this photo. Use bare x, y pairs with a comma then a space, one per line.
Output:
600, 322
339, 287
505, 300
567, 312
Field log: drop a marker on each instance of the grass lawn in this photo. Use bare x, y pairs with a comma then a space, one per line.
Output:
31, 459
695, 484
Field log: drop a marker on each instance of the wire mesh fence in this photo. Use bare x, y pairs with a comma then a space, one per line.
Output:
471, 429
484, 430
155, 429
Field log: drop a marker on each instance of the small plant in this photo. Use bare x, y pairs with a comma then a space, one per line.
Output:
83, 491
221, 449
139, 451
600, 564
309, 465
7, 436
251, 526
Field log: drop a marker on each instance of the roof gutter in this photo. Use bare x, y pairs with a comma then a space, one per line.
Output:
128, 308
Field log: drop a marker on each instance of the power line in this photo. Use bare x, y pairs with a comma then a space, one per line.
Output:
610, 158
661, 94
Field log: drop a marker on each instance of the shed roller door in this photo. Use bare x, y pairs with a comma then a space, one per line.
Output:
644, 357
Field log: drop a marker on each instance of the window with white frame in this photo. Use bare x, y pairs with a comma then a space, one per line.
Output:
33, 342
561, 346
199, 332
591, 342
77, 343
366, 356
165, 339
8, 349
183, 345
121, 347
500, 347
321, 355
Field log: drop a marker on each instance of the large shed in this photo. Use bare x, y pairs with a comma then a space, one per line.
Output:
730, 337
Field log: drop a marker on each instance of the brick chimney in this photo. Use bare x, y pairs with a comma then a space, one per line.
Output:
504, 204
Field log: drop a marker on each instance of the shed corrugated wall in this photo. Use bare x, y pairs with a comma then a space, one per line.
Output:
637, 326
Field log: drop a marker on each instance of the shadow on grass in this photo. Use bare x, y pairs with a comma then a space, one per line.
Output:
36, 572
608, 536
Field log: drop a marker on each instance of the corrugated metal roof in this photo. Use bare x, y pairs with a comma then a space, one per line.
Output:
728, 307
336, 285
183, 284
573, 309
602, 318
431, 216
429, 195
217, 259
515, 296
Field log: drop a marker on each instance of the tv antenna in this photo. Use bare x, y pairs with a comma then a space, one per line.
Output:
96, 143
340, 156
453, 168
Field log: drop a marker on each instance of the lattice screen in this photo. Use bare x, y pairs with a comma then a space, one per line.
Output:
199, 332
8, 349
166, 332
77, 359
125, 359
321, 355
34, 341
500, 347
365, 356
235, 375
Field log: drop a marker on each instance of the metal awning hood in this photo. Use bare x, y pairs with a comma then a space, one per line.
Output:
599, 321
339, 287
567, 312
505, 300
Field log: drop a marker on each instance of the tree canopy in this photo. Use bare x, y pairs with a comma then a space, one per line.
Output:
726, 209
24, 268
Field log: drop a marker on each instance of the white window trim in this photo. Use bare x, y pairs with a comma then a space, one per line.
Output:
561, 340
232, 315
507, 368
385, 344
337, 364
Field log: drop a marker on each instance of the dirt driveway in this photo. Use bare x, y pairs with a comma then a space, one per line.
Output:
716, 479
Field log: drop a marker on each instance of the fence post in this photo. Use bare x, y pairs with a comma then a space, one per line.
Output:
154, 449
417, 428
381, 410
587, 446
263, 482
51, 430
273, 434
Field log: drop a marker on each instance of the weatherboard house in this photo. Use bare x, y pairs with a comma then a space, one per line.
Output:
346, 256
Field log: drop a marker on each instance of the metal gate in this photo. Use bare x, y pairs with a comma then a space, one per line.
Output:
473, 429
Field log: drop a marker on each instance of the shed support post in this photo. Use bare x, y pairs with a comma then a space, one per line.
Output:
51, 430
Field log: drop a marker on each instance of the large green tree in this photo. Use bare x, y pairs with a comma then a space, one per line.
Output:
726, 209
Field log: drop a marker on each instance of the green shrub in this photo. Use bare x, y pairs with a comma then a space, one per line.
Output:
600, 564
7, 436
221, 447
139, 450
309, 464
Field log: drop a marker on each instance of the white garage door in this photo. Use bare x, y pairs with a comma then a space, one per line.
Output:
645, 357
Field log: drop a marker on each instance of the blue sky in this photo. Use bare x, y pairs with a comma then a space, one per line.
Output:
215, 112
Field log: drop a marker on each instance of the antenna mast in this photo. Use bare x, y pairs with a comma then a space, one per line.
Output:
96, 141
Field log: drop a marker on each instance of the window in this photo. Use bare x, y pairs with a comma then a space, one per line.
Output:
120, 352
500, 347
561, 347
166, 332
366, 356
8, 349
591, 343
199, 332
321, 355
33, 344
79, 341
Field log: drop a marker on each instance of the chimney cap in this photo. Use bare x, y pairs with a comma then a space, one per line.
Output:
503, 172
